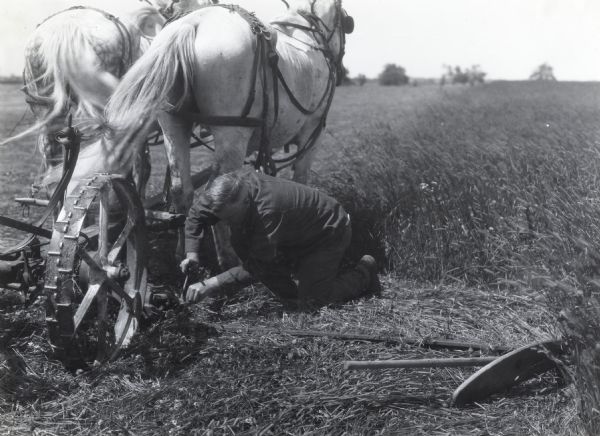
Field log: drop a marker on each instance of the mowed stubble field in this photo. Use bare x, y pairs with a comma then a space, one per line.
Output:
480, 205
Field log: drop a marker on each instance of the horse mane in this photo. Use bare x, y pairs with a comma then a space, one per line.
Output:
301, 5
309, 6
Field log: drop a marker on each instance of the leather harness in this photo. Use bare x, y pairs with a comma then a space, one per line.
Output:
266, 57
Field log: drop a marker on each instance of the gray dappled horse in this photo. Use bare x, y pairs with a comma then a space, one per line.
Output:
73, 63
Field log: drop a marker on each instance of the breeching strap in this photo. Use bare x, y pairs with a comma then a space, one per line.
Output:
267, 52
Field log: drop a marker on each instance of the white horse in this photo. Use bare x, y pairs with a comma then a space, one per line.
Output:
218, 66
75, 59
73, 63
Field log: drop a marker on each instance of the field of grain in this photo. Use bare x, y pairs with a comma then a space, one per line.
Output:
481, 205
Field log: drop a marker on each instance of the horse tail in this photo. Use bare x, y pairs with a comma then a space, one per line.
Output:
71, 76
148, 86
142, 92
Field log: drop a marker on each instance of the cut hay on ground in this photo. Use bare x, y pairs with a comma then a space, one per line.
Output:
200, 371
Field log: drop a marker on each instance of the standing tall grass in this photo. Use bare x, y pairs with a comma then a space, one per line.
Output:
491, 185
481, 185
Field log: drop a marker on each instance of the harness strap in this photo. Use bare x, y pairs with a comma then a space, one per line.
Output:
264, 161
266, 51
328, 57
252, 93
312, 139
273, 58
293, 98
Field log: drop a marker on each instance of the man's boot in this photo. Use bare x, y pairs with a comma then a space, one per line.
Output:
368, 265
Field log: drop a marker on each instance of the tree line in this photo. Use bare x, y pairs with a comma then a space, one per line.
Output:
395, 75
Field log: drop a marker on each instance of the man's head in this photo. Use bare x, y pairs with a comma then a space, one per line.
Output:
227, 197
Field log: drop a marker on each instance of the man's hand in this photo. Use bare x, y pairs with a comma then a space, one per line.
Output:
196, 293
190, 264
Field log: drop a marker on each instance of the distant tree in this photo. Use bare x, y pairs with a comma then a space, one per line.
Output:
460, 76
475, 75
454, 75
361, 79
543, 72
393, 75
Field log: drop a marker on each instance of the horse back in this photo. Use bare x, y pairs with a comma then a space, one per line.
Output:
71, 32
224, 50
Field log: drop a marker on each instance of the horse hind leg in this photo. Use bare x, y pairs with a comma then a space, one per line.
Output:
176, 134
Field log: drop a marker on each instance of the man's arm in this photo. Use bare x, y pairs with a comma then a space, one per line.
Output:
199, 218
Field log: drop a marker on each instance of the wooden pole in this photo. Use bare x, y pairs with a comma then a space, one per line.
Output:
418, 363
399, 340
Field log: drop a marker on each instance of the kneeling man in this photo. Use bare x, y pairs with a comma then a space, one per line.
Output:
281, 229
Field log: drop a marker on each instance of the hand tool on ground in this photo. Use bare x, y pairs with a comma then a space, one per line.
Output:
497, 375
418, 363
509, 370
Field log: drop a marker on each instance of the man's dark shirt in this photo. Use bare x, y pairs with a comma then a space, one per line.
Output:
284, 221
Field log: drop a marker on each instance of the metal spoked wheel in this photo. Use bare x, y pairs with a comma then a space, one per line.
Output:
95, 280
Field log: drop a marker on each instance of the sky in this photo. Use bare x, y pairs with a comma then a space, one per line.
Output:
507, 38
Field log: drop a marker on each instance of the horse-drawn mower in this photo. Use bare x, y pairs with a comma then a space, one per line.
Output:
91, 267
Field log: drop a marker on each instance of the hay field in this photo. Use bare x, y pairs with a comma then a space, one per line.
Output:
480, 204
